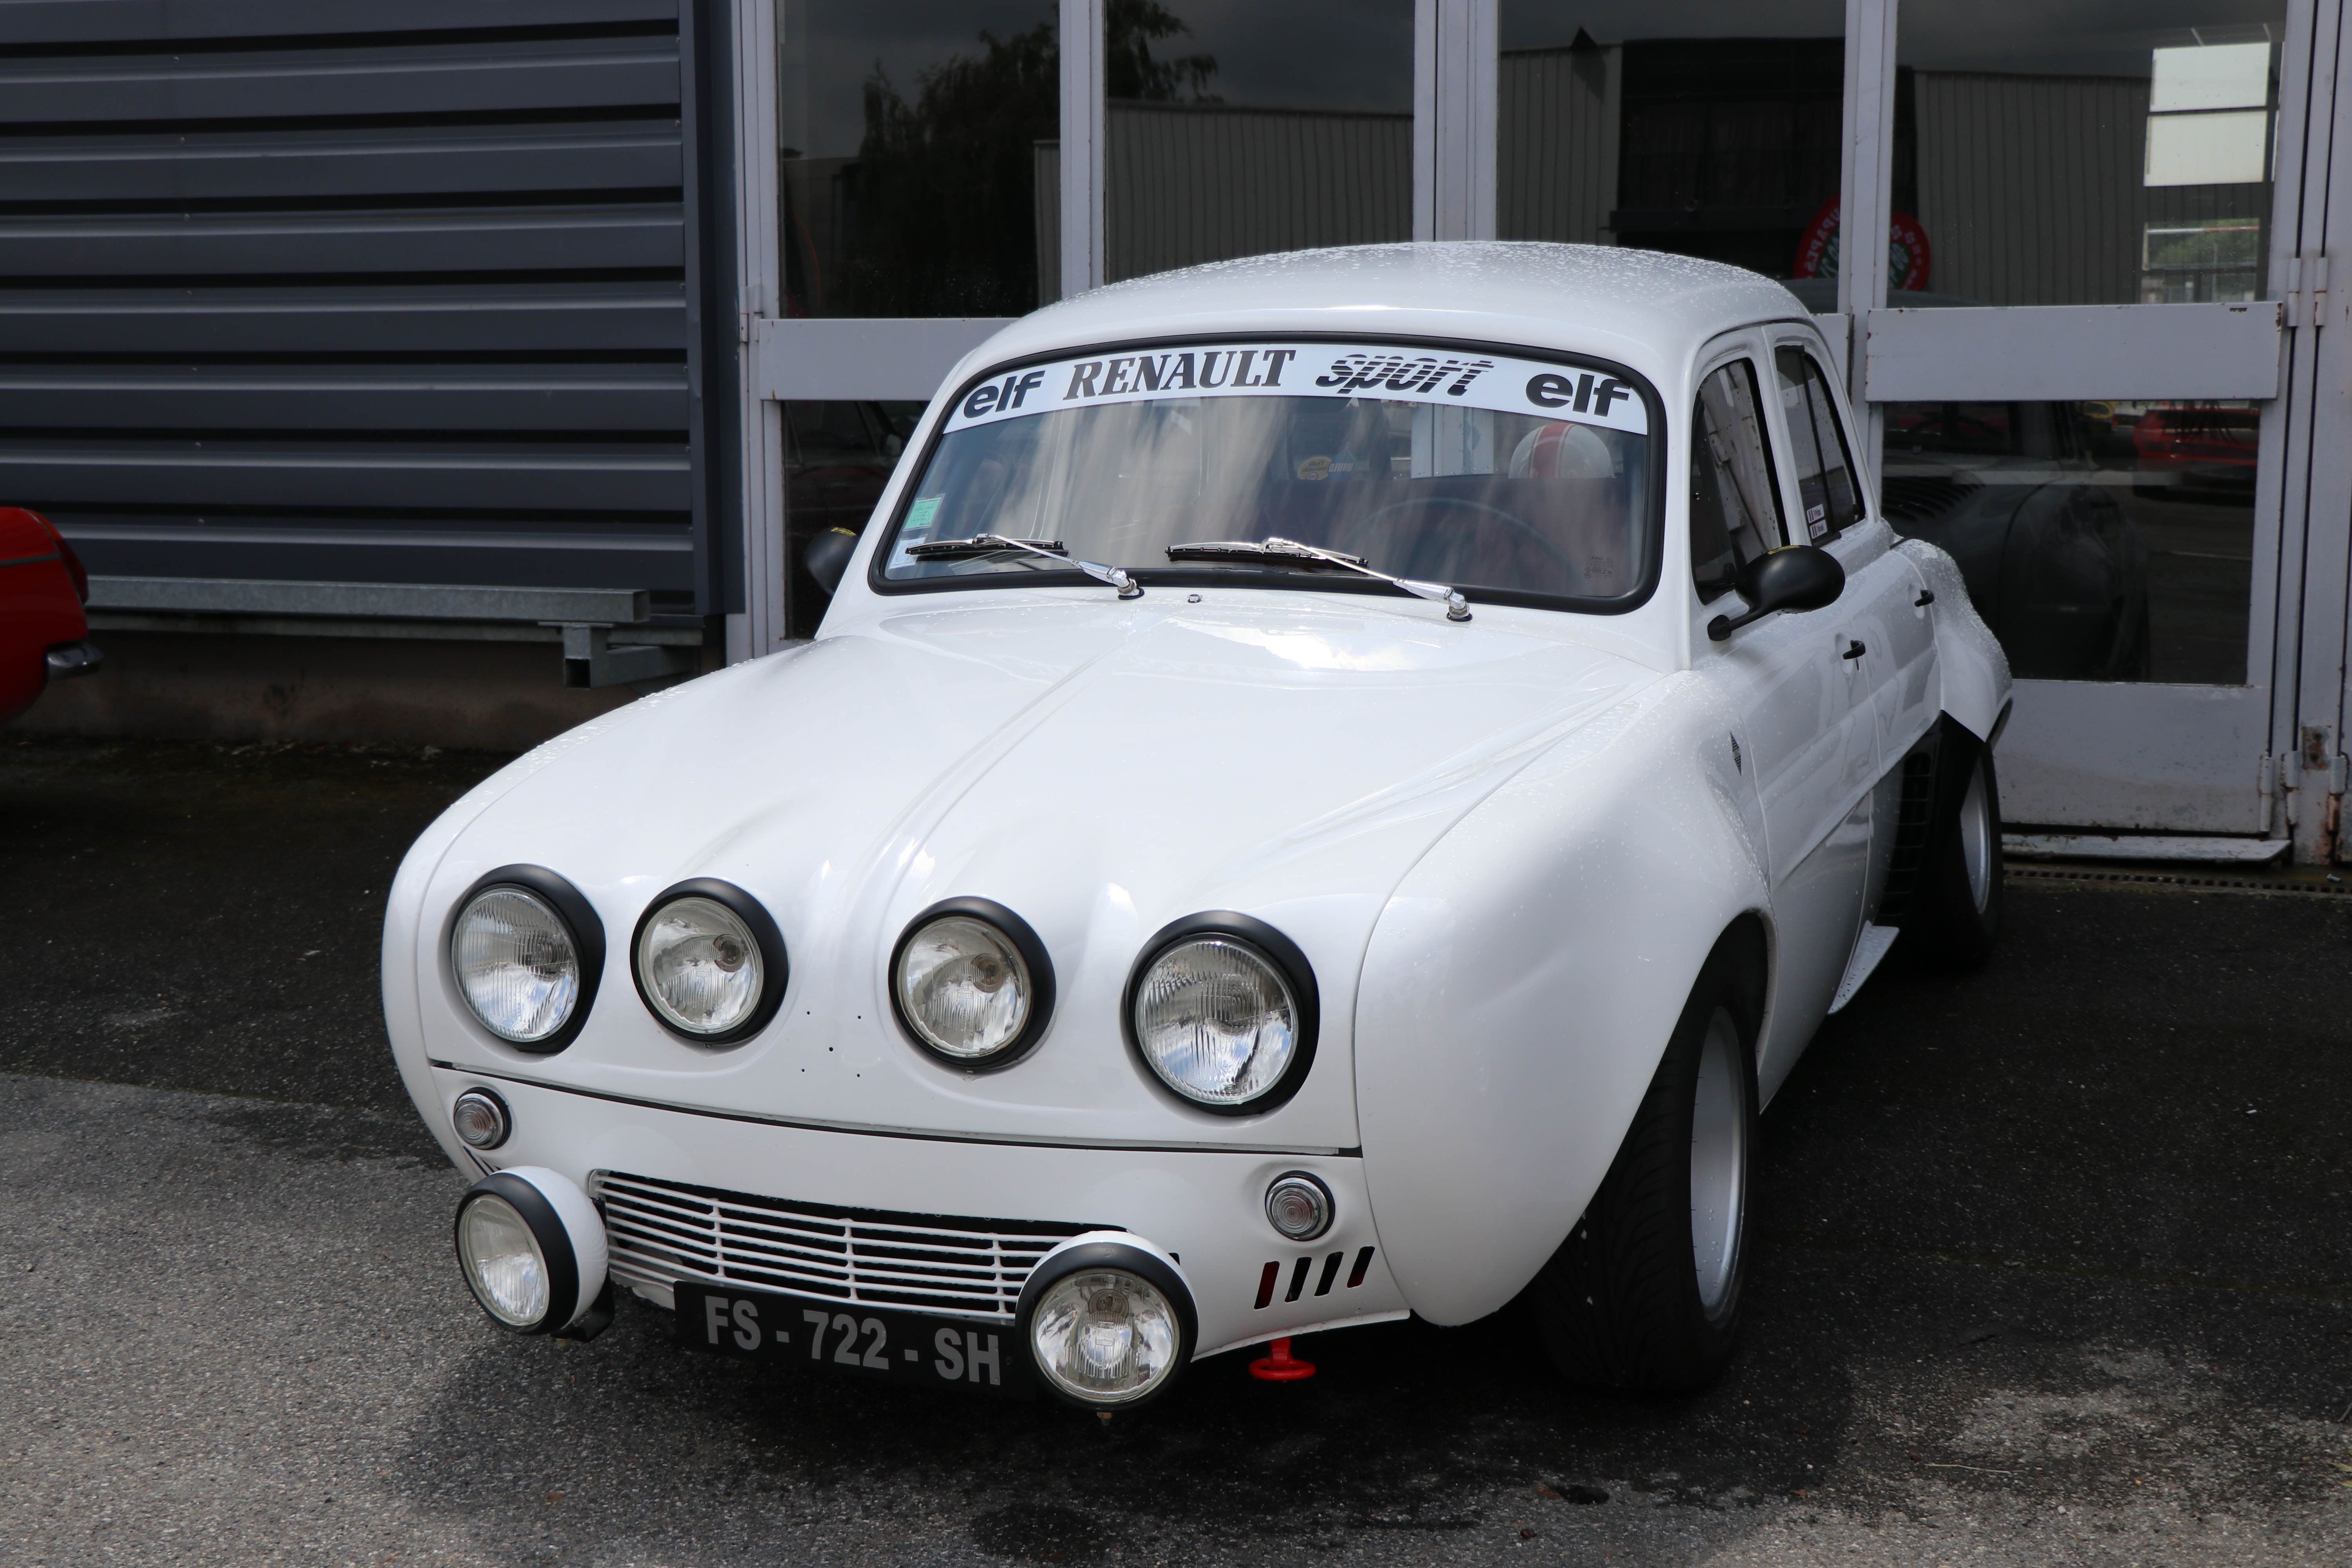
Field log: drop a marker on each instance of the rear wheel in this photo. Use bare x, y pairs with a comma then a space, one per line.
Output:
1959, 918
1645, 1292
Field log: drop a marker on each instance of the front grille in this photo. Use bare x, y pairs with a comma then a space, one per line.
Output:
661, 1232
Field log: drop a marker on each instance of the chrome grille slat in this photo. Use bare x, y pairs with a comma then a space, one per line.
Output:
661, 1232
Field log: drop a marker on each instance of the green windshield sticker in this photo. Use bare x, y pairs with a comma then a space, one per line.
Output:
920, 515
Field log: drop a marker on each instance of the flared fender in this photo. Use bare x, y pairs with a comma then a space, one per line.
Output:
1522, 981
1969, 660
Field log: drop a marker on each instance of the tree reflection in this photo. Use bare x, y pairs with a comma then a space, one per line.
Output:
938, 214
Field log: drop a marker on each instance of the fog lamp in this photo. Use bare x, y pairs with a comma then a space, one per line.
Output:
534, 1253
1107, 1323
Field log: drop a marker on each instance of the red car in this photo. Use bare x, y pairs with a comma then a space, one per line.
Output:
44, 636
2206, 444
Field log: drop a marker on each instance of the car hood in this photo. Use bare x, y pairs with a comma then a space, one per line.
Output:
1100, 768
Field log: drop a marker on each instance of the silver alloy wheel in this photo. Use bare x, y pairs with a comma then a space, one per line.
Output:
1976, 838
1719, 1166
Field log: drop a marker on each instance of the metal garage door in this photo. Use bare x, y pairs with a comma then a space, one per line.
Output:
379, 292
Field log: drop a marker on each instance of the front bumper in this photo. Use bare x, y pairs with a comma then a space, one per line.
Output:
1204, 1207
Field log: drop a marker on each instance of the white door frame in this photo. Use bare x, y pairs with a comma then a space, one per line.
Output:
2138, 755
2313, 623
1455, 59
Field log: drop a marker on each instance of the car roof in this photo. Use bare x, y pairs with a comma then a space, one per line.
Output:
1644, 308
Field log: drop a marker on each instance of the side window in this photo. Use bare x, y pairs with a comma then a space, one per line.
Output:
1824, 462
1735, 503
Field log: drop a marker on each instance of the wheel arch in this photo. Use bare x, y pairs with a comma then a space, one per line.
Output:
1523, 980
1970, 666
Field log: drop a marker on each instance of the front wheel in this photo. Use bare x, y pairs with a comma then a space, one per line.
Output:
1645, 1292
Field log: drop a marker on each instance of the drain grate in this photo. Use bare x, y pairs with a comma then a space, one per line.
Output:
2180, 881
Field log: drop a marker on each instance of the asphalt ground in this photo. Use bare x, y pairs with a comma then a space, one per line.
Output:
2051, 1266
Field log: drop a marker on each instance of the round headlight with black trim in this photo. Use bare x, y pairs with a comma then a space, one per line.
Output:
526, 951
971, 983
534, 1252
1107, 1323
1222, 1009
708, 961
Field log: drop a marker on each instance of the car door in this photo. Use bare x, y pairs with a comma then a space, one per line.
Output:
1890, 655
1801, 731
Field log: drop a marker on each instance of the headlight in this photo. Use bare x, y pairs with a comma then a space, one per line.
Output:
971, 981
710, 961
525, 951
1223, 1012
1106, 1323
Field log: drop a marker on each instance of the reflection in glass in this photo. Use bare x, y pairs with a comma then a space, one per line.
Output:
1474, 498
911, 135
1233, 128
1702, 127
837, 458
2101, 541
1734, 505
1827, 501
2089, 151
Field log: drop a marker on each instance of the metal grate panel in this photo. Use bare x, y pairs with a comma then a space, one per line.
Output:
662, 1232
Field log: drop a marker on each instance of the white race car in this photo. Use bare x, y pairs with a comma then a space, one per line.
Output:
1333, 786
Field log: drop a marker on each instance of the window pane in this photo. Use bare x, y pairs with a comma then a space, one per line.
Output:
836, 456
1234, 128
1735, 502
911, 134
2101, 541
1518, 478
2089, 151
1698, 128
1824, 462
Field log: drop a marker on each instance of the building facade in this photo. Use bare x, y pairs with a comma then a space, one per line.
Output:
524, 347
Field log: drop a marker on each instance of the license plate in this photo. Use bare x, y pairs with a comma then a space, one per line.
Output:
917, 1350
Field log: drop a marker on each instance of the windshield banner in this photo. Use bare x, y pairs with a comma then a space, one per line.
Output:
1384, 371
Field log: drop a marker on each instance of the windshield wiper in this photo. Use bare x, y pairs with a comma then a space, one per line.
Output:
1457, 608
1053, 549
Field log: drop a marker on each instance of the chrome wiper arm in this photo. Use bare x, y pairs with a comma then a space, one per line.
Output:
1053, 549
1457, 608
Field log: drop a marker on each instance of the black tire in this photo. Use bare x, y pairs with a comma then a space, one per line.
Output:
1631, 1301
1958, 916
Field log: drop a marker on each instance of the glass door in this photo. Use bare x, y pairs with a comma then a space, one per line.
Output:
2078, 376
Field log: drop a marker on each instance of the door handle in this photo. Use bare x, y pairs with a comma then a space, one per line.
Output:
1853, 650
1924, 600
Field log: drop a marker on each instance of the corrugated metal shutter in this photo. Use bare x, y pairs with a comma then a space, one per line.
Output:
2031, 190
329, 289
1187, 182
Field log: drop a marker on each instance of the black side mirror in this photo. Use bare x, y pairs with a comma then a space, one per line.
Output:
827, 557
1802, 577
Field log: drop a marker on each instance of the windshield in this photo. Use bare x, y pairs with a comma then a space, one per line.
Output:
1528, 480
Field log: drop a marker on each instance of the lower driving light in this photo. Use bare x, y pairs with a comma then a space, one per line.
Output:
534, 1253
1299, 1206
503, 1263
480, 1119
1106, 1323
1104, 1336
971, 983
